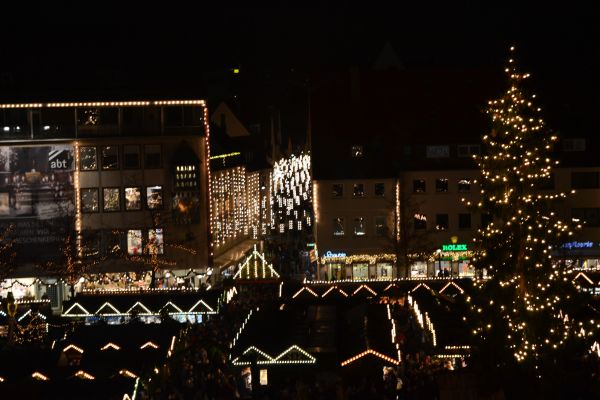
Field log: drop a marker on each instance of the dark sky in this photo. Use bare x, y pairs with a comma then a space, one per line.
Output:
141, 36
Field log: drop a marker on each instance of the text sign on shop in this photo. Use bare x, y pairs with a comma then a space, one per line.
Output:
329, 254
454, 247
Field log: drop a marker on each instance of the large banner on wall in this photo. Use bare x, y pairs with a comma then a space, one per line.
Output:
37, 198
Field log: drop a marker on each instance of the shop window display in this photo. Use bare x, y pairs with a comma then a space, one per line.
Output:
110, 157
134, 242
154, 197
88, 158
359, 226
338, 226
133, 198
156, 242
89, 200
111, 199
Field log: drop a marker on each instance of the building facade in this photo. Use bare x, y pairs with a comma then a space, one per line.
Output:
126, 182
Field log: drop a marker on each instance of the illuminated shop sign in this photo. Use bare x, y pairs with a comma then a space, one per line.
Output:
454, 247
578, 245
329, 254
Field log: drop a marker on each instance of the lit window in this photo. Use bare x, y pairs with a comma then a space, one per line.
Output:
134, 242
419, 186
379, 189
464, 186
337, 190
357, 151
441, 222
156, 241
89, 200
133, 198
359, 190
88, 159
154, 197
338, 226
359, 226
111, 199
441, 185
110, 157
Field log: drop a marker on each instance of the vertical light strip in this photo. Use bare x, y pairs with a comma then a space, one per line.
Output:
397, 212
77, 203
209, 183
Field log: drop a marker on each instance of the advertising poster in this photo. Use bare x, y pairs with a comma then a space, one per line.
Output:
37, 198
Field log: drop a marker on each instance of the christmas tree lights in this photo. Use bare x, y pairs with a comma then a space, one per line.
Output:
520, 308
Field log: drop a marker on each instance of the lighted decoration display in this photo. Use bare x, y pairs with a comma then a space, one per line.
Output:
449, 284
291, 194
370, 352
39, 376
521, 307
110, 345
230, 214
255, 266
423, 319
292, 355
149, 345
357, 258
81, 374
76, 310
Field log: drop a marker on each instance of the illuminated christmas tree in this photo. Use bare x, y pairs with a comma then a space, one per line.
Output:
528, 311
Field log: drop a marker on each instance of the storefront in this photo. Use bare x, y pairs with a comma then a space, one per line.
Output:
450, 260
582, 255
340, 266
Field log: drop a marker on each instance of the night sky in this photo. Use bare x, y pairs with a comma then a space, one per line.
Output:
51, 46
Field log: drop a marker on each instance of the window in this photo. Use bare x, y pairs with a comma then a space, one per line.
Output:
380, 226
420, 221
152, 156
154, 197
486, 219
133, 198
441, 185
338, 226
156, 242
134, 242
88, 159
359, 226
357, 151
131, 156
441, 222
380, 189
186, 177
110, 157
464, 221
573, 144
547, 184
464, 186
437, 151
419, 186
89, 200
337, 190
589, 216
359, 190
467, 150
584, 180
90, 243
111, 200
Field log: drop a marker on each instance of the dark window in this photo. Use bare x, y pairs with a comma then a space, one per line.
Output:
584, 180
441, 185
88, 159
573, 144
110, 157
464, 221
547, 183
111, 199
467, 150
131, 156
152, 156
589, 216
337, 190
420, 221
441, 222
359, 226
486, 219
90, 243
357, 151
359, 190
338, 226
380, 226
464, 186
380, 189
419, 186
89, 200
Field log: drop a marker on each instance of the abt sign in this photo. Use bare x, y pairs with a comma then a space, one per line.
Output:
59, 159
